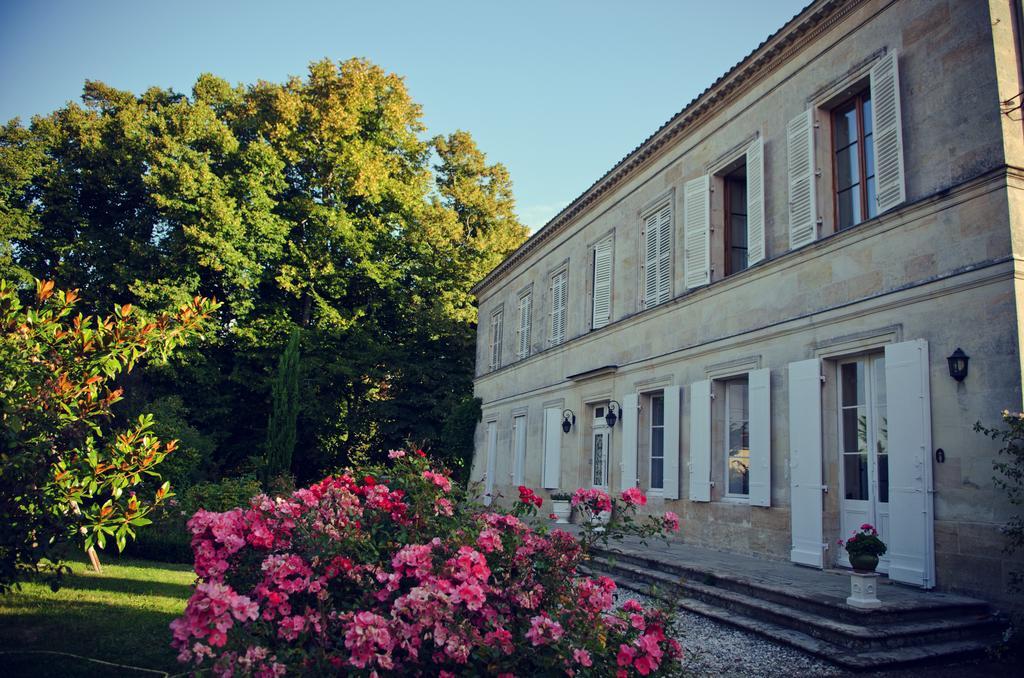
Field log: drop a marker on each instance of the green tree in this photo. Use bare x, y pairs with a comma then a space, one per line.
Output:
316, 203
284, 413
66, 474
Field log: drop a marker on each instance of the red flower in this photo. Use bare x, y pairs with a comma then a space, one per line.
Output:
369, 481
420, 453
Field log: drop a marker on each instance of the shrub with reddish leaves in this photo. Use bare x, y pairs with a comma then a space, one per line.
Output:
396, 573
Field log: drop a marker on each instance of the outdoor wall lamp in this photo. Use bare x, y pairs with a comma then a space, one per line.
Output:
958, 364
568, 419
611, 417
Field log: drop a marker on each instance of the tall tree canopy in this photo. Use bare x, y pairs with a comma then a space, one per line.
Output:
317, 203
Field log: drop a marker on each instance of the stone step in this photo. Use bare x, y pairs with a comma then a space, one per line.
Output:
793, 597
864, 635
837, 654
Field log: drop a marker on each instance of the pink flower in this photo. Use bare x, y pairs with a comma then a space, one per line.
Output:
471, 594
544, 630
671, 521
443, 507
582, 657
438, 479
626, 655
593, 500
396, 454
489, 540
634, 496
500, 638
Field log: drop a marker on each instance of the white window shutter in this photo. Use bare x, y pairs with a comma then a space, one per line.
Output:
890, 185
755, 202
908, 417
552, 448
670, 489
602, 309
492, 452
525, 321
700, 441
697, 231
630, 404
803, 218
651, 233
496, 340
759, 384
805, 462
665, 253
559, 309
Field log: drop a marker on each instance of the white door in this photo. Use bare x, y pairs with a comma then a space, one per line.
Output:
864, 448
492, 451
518, 449
600, 439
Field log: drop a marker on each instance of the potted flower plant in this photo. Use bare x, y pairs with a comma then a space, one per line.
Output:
561, 509
864, 548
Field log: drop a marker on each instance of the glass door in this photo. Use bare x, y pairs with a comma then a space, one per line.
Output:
864, 449
600, 439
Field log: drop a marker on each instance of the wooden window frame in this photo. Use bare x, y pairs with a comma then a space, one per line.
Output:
858, 105
727, 222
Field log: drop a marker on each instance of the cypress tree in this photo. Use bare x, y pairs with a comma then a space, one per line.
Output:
284, 412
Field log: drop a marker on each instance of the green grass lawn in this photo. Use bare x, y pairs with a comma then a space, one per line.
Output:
120, 615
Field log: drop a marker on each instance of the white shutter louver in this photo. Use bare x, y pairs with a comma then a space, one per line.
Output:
602, 284
700, 441
525, 320
805, 462
629, 437
552, 448
759, 384
755, 202
888, 133
911, 531
670, 488
803, 219
558, 307
696, 231
492, 452
496, 340
651, 260
665, 254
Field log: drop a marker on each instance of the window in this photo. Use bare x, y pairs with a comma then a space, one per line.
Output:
657, 270
657, 442
559, 306
854, 161
737, 438
600, 439
525, 318
602, 284
496, 322
736, 220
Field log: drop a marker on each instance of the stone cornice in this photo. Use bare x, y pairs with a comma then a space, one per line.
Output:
778, 48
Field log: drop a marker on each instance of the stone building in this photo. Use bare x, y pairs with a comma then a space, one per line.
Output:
765, 293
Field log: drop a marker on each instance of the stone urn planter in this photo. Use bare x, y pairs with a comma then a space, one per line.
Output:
600, 519
864, 562
562, 509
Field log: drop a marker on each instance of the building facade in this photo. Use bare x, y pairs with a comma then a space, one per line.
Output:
765, 293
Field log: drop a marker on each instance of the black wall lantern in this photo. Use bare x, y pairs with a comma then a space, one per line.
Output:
568, 419
612, 417
958, 364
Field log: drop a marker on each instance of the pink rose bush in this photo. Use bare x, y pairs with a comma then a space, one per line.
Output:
398, 574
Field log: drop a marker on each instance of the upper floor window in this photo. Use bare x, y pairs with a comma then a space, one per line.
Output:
559, 305
496, 323
736, 220
525, 322
602, 284
657, 239
854, 161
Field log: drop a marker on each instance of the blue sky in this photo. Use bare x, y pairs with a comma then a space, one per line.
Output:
557, 91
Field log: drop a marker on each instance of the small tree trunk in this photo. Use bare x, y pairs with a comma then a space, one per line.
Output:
94, 558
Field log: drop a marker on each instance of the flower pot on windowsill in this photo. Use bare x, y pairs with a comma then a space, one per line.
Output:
864, 562
562, 510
